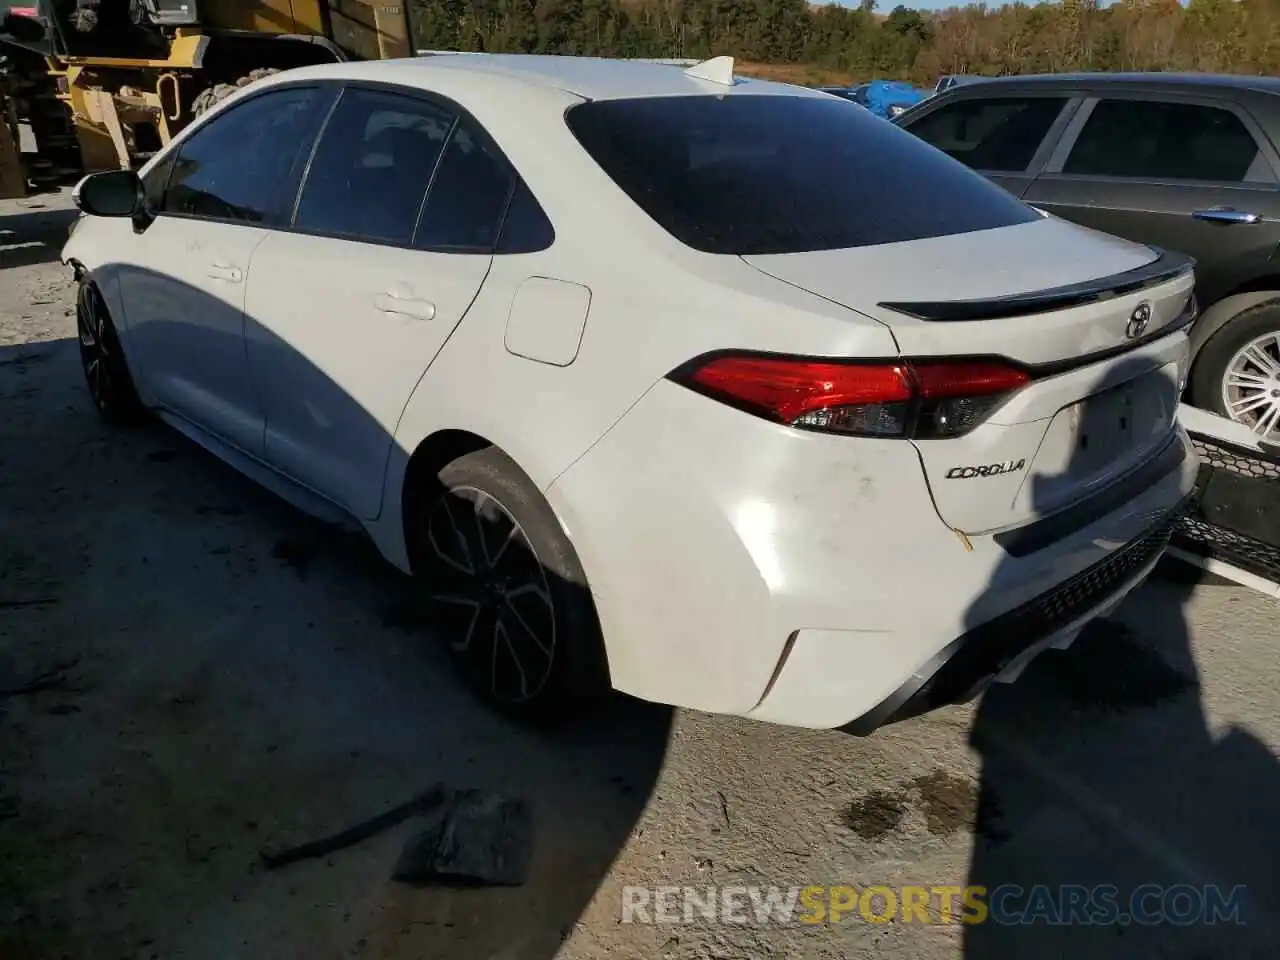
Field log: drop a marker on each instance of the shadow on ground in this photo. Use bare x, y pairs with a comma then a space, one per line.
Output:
238, 677
34, 236
1111, 820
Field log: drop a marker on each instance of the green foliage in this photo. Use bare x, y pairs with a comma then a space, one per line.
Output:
1240, 36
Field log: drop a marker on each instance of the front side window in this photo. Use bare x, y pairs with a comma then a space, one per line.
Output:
1000, 135
746, 174
236, 167
371, 168
156, 182
1158, 140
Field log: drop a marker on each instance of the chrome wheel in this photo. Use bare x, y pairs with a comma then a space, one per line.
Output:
493, 599
95, 346
1251, 387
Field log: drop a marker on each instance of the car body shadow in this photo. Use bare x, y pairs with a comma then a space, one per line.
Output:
244, 677
35, 236
1112, 821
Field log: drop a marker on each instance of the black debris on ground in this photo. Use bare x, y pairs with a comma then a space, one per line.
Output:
464, 837
479, 838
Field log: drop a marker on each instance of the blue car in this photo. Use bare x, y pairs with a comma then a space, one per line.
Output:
887, 98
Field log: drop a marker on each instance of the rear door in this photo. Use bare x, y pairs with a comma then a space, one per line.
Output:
1005, 138
349, 306
1192, 174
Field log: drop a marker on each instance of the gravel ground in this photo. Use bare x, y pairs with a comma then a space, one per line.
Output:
241, 677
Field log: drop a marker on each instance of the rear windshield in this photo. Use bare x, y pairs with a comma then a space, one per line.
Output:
747, 174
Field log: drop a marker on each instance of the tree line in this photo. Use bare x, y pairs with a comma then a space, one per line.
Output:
860, 42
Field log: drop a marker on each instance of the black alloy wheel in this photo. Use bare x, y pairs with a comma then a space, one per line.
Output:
496, 602
105, 371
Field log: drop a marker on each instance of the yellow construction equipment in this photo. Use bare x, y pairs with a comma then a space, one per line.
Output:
89, 85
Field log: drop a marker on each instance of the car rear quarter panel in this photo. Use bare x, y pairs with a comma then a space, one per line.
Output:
651, 310
710, 537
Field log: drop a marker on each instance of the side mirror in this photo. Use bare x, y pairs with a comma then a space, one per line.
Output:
113, 193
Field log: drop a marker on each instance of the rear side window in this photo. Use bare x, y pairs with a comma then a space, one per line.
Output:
749, 174
468, 196
1167, 141
998, 135
236, 167
371, 168
526, 228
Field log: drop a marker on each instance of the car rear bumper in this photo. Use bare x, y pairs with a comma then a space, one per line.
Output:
1000, 648
743, 567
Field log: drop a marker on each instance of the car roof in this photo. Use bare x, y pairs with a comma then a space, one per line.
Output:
1150, 80
592, 78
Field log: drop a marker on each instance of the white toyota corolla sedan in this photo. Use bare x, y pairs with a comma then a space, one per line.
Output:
722, 393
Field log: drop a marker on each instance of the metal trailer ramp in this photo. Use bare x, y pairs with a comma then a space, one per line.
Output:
1232, 525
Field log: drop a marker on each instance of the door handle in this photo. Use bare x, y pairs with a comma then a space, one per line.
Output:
394, 303
1226, 215
224, 271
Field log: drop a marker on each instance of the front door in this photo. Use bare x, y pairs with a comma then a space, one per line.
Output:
186, 323
1188, 176
183, 278
349, 307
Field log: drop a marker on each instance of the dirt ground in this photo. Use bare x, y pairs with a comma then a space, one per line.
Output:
805, 74
235, 677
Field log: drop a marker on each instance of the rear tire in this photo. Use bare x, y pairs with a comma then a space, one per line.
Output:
1237, 374
106, 372
506, 591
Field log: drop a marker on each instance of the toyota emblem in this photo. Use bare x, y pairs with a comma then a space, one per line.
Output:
1138, 320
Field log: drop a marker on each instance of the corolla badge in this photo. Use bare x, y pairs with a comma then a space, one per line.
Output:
986, 470
1139, 320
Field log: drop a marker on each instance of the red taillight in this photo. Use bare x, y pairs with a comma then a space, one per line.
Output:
973, 379
918, 399
792, 388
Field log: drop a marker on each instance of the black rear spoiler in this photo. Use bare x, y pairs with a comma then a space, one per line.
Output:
1166, 266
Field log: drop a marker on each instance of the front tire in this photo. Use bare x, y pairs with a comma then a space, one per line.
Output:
101, 358
506, 591
1237, 374
210, 97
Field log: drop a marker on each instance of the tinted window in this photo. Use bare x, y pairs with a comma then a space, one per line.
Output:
526, 228
237, 166
1179, 141
998, 135
776, 174
156, 182
371, 168
468, 195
